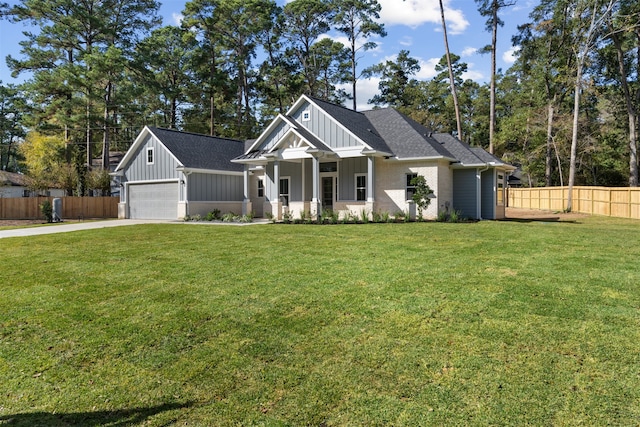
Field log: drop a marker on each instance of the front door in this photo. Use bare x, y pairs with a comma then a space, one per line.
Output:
328, 192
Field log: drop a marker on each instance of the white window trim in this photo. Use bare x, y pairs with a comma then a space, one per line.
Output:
366, 190
407, 186
288, 179
260, 181
151, 151
306, 115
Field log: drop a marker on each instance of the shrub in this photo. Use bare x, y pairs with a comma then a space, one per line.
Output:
229, 217
47, 210
270, 217
286, 217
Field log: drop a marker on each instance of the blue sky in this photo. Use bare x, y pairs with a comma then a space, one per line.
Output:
413, 25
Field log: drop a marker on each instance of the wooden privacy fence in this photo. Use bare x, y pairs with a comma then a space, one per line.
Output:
72, 207
622, 202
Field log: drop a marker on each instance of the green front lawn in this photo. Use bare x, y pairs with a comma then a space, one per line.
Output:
490, 323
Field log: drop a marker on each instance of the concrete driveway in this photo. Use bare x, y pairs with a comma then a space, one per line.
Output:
76, 226
92, 225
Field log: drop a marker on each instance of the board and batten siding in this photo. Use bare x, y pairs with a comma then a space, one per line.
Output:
163, 167
287, 170
203, 187
488, 204
347, 170
274, 137
465, 195
324, 127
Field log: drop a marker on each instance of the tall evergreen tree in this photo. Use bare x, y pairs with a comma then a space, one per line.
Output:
357, 20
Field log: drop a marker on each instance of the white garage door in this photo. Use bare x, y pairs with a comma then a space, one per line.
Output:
153, 201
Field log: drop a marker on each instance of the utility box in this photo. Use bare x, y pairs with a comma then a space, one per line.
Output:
57, 210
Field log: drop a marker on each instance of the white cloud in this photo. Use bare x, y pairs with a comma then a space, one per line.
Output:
468, 51
510, 56
474, 75
427, 69
414, 13
177, 18
406, 41
366, 89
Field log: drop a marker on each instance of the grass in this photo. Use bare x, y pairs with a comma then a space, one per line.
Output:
491, 323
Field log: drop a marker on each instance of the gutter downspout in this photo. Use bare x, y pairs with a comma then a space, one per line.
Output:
479, 189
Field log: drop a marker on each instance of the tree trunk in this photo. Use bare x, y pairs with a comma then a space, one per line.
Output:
492, 95
574, 135
353, 71
548, 160
631, 112
105, 138
451, 78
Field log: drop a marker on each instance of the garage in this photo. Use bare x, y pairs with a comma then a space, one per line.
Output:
153, 201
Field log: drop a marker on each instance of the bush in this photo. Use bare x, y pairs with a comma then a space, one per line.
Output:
47, 210
229, 217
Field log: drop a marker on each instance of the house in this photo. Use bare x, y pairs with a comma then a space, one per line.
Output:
323, 156
167, 174
318, 156
115, 157
16, 185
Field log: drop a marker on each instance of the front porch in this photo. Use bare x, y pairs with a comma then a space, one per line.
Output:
305, 187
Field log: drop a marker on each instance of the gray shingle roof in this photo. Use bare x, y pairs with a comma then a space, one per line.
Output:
356, 122
461, 151
201, 151
407, 138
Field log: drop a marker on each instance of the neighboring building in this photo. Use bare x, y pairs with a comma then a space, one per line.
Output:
16, 185
323, 156
317, 156
168, 174
115, 157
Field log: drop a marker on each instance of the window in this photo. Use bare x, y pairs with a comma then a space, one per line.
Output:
284, 191
260, 188
500, 198
328, 167
361, 187
306, 116
411, 189
150, 156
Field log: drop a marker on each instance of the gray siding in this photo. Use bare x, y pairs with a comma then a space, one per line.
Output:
488, 202
204, 187
287, 169
348, 168
465, 192
324, 127
294, 172
273, 138
163, 167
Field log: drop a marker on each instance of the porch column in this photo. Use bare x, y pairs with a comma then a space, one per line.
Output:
370, 206
316, 206
246, 202
276, 205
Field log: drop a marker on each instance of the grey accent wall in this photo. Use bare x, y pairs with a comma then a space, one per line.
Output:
294, 172
324, 127
273, 138
204, 187
488, 204
163, 168
347, 169
287, 169
464, 192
